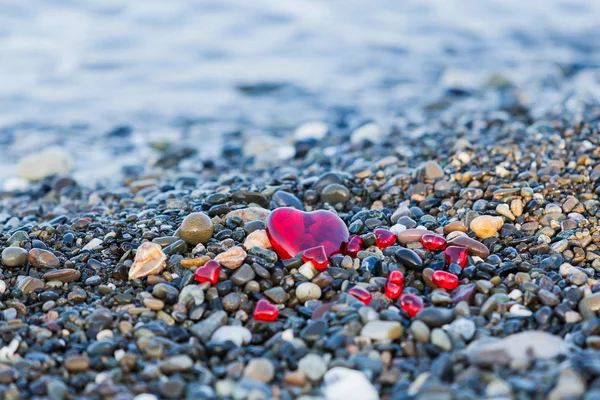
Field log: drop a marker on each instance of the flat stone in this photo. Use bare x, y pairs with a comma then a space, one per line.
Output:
40, 258
382, 330
475, 248
236, 334
62, 275
178, 363
249, 214
516, 348
14, 257
435, 317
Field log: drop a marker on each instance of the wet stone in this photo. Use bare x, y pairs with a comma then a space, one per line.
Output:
14, 257
39, 258
435, 317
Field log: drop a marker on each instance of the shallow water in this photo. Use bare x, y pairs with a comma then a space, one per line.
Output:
190, 71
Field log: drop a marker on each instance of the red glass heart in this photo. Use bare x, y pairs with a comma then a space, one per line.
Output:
265, 311
411, 303
446, 280
209, 272
317, 256
361, 294
396, 277
433, 242
292, 231
392, 290
455, 254
384, 238
354, 246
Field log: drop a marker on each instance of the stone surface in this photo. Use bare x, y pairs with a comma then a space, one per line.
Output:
343, 383
232, 258
196, 228
486, 226
382, 330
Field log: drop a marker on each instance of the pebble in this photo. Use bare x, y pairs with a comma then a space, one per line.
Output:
335, 193
196, 228
475, 248
343, 383
260, 369
93, 244
312, 366
47, 162
236, 334
435, 317
486, 226
570, 385
249, 214
420, 331
308, 291
311, 130
14, 256
432, 170
40, 258
382, 330
516, 348
232, 258
440, 339
205, 329
257, 238
178, 363
75, 364
191, 293
149, 260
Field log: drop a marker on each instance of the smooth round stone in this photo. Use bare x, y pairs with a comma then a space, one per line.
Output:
285, 199
191, 292
196, 228
277, 295
77, 364
475, 248
260, 369
243, 275
335, 193
308, 291
232, 301
236, 334
14, 256
486, 226
435, 317
382, 330
420, 331
408, 258
440, 339
164, 290
313, 366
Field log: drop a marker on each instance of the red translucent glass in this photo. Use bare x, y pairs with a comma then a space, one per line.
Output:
292, 231
392, 290
361, 294
265, 311
354, 246
317, 256
411, 303
433, 242
396, 277
455, 254
209, 272
384, 238
446, 280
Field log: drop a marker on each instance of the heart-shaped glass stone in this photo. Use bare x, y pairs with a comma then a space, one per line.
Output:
292, 231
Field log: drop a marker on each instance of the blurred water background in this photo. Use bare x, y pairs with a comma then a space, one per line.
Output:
105, 79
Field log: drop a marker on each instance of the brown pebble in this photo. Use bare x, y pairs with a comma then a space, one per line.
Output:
249, 214
411, 235
257, 238
196, 228
475, 247
62, 275
77, 364
40, 258
455, 226
296, 378
154, 304
194, 262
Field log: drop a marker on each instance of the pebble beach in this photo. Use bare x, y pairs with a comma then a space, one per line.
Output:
433, 236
